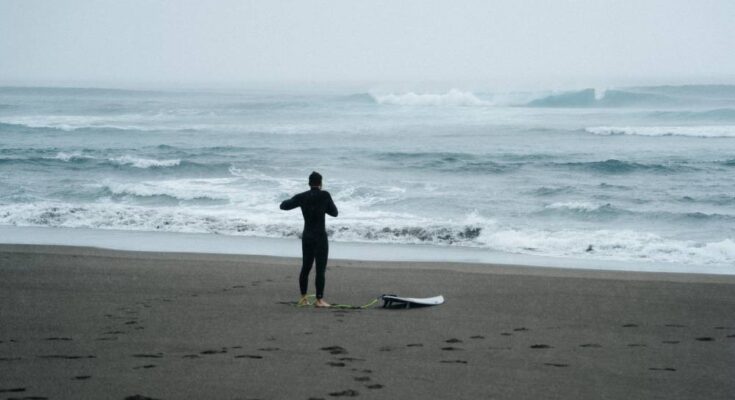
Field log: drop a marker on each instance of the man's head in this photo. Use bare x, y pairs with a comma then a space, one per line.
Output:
315, 179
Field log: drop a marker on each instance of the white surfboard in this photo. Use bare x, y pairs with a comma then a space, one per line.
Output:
394, 301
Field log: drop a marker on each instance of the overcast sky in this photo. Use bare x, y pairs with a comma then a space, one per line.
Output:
512, 43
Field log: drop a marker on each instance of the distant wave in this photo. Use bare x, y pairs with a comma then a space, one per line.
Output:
453, 97
613, 166
599, 212
92, 160
648, 96
698, 91
609, 98
144, 162
578, 206
128, 160
552, 191
71, 123
447, 162
181, 189
692, 131
720, 114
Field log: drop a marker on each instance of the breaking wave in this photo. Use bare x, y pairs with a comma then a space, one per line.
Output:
453, 97
727, 131
720, 114
144, 162
475, 232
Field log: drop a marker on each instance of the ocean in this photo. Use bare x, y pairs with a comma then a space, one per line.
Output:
638, 174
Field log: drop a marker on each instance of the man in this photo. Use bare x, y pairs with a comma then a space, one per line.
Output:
314, 204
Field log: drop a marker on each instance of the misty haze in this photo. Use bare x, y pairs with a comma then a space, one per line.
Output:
545, 190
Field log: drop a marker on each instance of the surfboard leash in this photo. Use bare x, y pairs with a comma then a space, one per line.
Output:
339, 306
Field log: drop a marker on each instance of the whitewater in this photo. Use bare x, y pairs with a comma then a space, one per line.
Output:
640, 174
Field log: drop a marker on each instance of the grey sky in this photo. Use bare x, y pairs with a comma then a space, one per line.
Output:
491, 43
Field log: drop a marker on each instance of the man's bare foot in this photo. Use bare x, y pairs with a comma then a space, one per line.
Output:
321, 303
304, 301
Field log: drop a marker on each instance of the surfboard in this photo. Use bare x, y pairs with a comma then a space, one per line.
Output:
395, 301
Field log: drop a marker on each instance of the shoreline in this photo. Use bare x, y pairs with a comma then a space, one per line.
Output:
446, 266
379, 252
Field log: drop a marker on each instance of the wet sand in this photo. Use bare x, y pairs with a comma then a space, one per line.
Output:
84, 323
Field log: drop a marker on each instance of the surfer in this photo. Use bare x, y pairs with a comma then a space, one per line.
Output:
314, 204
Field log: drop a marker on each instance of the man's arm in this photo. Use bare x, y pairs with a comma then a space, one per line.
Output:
291, 203
331, 208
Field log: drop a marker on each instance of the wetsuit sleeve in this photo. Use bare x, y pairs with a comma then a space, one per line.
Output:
331, 208
291, 203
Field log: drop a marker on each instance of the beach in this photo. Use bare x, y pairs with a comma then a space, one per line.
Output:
88, 323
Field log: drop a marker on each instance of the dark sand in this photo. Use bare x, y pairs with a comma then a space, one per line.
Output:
80, 323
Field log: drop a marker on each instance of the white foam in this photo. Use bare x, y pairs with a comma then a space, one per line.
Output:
74, 122
574, 206
250, 217
183, 189
66, 157
453, 97
692, 131
144, 162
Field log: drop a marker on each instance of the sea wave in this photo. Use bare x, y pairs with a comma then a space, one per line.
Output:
453, 97
720, 114
179, 189
607, 98
650, 96
144, 162
614, 166
94, 160
447, 162
724, 131
604, 211
472, 232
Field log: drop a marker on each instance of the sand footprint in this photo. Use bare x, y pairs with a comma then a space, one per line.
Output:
156, 355
345, 393
336, 364
221, 351
335, 349
13, 390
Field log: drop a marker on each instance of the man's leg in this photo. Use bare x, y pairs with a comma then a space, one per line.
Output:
307, 252
321, 255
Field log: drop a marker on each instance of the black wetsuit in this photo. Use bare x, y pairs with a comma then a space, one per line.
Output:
314, 204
